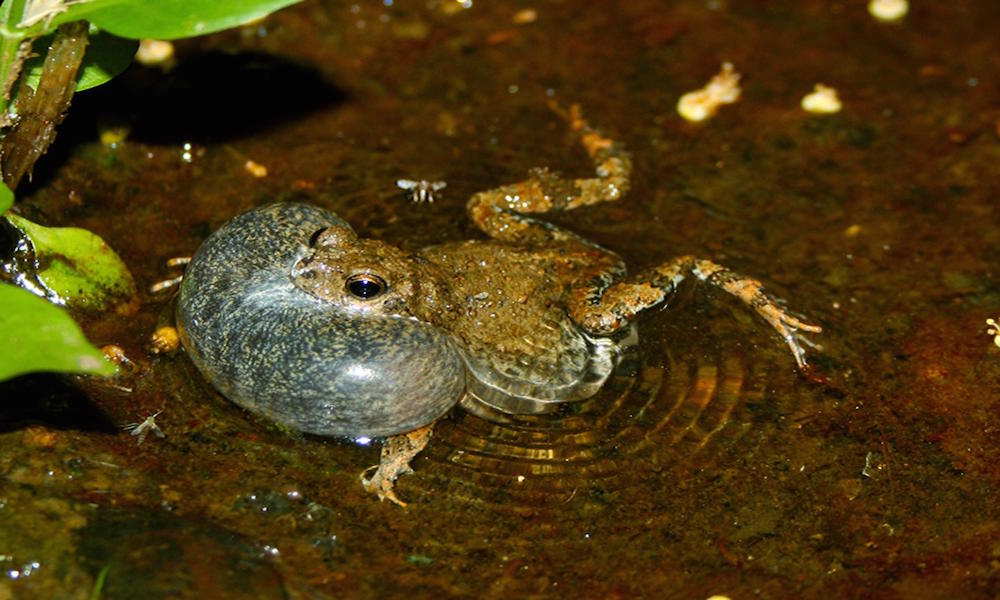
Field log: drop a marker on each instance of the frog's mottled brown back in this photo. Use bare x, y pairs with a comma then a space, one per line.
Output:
524, 354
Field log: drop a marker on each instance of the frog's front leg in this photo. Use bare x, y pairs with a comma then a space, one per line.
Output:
502, 212
605, 306
165, 338
397, 452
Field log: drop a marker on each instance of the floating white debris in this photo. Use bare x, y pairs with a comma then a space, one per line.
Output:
888, 10
528, 15
701, 104
255, 168
993, 330
823, 100
154, 52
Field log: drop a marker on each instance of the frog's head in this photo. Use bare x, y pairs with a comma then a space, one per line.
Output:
365, 276
348, 364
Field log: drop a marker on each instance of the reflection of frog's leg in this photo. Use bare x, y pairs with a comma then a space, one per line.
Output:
605, 306
397, 452
501, 212
484, 411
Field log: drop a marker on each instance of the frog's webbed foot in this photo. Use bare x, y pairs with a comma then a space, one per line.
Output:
751, 292
397, 452
164, 340
786, 325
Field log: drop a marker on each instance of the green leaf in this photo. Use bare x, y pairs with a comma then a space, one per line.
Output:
78, 269
166, 19
107, 55
38, 336
6, 198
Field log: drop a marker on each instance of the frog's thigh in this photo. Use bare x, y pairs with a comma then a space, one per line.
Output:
604, 307
397, 452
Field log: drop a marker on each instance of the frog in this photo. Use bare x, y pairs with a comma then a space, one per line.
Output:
531, 318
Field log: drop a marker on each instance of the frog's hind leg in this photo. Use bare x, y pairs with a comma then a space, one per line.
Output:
606, 306
502, 212
397, 452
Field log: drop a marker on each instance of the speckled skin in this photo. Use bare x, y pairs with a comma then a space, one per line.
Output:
502, 304
282, 353
520, 323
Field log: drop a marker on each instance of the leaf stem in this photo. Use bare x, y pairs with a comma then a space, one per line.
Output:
12, 11
14, 48
41, 110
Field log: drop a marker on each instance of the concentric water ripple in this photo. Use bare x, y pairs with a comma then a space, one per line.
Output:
645, 415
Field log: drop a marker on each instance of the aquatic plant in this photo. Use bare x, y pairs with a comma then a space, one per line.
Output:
50, 49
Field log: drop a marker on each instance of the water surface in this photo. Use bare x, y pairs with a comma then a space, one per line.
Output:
707, 465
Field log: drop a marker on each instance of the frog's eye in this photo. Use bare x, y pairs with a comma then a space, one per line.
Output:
366, 286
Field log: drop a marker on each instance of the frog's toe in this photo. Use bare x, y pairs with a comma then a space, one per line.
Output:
382, 485
788, 327
795, 323
795, 341
808, 342
397, 452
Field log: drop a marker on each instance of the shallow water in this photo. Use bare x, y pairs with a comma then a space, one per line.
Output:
707, 465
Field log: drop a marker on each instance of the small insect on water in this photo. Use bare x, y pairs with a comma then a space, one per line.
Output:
141, 430
423, 191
